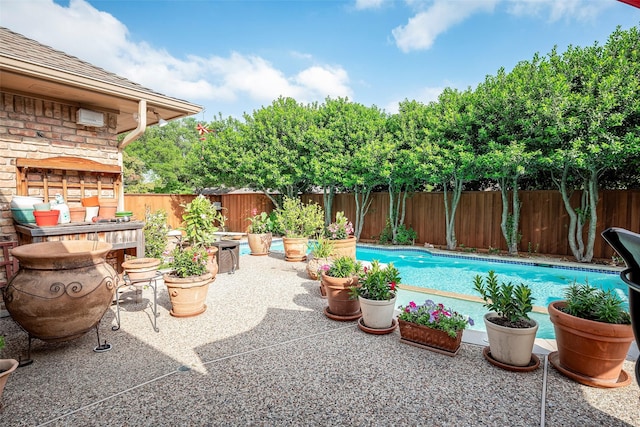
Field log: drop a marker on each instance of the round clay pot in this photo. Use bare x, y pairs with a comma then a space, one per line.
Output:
7, 366
140, 269
295, 249
62, 289
187, 294
594, 350
260, 244
338, 295
344, 247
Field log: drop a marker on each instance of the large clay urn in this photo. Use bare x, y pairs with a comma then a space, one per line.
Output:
259, 243
62, 289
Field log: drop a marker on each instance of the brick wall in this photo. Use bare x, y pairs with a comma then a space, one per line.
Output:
37, 129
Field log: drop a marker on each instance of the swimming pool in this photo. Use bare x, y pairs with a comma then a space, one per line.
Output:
455, 274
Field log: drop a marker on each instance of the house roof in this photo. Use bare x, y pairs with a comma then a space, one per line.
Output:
30, 68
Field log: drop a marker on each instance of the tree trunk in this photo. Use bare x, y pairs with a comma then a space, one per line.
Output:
328, 203
450, 211
363, 202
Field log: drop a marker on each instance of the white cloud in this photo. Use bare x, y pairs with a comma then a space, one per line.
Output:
368, 4
422, 29
99, 38
580, 10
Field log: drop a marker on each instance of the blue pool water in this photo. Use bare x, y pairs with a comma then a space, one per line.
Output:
455, 274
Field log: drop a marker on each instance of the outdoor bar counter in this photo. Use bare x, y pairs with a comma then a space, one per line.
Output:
123, 236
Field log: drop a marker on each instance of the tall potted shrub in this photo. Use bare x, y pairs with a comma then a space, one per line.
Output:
593, 335
377, 296
298, 222
510, 331
338, 280
259, 233
341, 235
189, 281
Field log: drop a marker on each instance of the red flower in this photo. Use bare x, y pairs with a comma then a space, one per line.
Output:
392, 286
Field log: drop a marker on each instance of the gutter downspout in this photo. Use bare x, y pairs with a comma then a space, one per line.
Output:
132, 136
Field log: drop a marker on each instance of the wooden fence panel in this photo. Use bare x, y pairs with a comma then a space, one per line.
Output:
543, 222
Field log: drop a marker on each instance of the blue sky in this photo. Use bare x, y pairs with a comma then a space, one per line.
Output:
235, 56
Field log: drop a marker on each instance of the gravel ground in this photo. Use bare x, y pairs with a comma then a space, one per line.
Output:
263, 353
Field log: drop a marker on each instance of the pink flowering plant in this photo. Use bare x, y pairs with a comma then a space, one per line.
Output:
377, 282
189, 261
341, 229
260, 223
435, 316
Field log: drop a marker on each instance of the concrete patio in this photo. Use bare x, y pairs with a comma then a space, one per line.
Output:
265, 354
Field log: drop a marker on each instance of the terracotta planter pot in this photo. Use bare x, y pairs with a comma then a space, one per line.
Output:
377, 314
8, 366
345, 247
187, 294
140, 269
260, 244
511, 346
338, 296
429, 338
77, 214
212, 262
46, 218
295, 249
314, 264
108, 208
62, 289
595, 351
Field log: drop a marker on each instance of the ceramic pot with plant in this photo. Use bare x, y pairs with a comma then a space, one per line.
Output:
7, 366
510, 331
259, 232
339, 279
593, 335
377, 295
341, 235
299, 222
189, 281
432, 326
320, 252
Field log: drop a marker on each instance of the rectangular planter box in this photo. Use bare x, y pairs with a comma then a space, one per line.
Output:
428, 338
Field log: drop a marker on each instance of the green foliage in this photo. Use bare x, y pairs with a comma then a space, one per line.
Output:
377, 283
588, 302
1, 342
260, 223
513, 303
155, 233
386, 235
344, 267
201, 220
406, 236
189, 261
297, 219
321, 248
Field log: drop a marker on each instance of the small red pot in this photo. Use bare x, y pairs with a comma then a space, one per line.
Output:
46, 218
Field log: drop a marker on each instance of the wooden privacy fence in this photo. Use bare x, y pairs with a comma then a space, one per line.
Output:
543, 223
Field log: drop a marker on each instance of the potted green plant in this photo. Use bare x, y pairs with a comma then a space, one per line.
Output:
298, 221
188, 282
593, 335
201, 220
340, 233
7, 366
320, 251
510, 331
338, 278
432, 326
377, 296
259, 232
